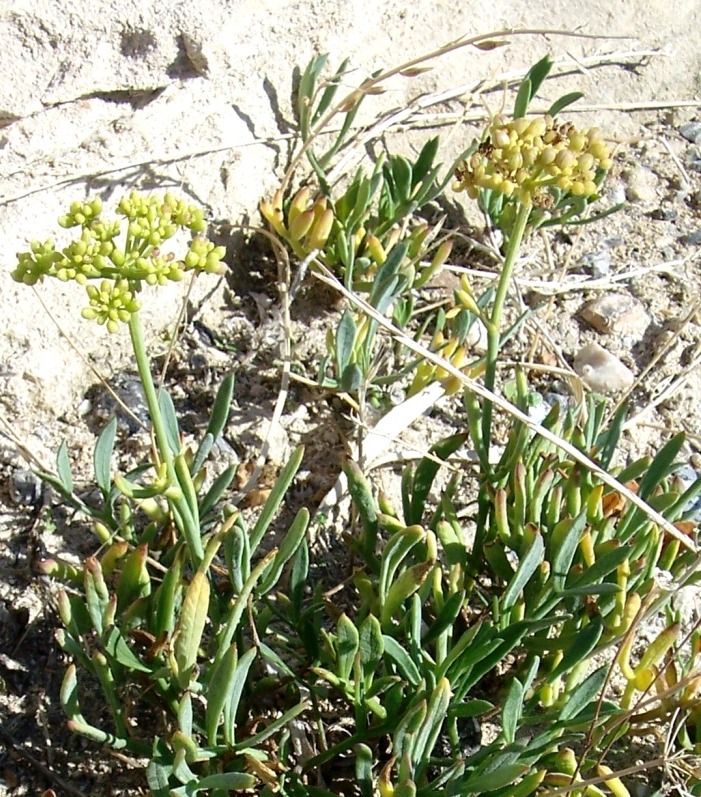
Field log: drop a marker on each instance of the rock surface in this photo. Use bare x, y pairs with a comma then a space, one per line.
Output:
602, 372
616, 312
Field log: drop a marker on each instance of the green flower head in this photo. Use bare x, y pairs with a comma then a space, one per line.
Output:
110, 303
123, 262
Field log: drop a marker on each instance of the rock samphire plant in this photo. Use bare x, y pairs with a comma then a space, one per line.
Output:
222, 659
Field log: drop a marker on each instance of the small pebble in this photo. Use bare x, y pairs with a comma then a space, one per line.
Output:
641, 184
616, 312
695, 158
26, 488
598, 264
131, 393
551, 399
692, 239
691, 132
614, 241
664, 214
687, 476
601, 371
538, 410
616, 193
476, 339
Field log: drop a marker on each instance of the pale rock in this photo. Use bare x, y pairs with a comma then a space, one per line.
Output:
641, 184
616, 312
598, 263
691, 132
601, 371
476, 340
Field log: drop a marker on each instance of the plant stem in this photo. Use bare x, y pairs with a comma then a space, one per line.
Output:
181, 511
143, 366
493, 344
494, 322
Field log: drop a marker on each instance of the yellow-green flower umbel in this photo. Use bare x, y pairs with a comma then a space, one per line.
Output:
124, 265
527, 157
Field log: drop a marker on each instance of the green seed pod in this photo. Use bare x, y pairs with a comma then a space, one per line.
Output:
301, 225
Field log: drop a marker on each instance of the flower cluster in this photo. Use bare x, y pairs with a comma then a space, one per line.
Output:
122, 265
111, 303
426, 371
308, 224
527, 158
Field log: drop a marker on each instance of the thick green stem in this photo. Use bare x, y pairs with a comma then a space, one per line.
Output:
493, 344
181, 510
495, 319
144, 368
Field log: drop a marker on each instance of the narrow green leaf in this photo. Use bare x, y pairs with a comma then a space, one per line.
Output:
371, 644
445, 619
584, 643
428, 733
275, 726
351, 378
404, 587
363, 770
344, 341
167, 596
527, 567
566, 548
288, 548
407, 492
330, 91
117, 648
498, 778
219, 486
234, 690
170, 420
102, 457
604, 564
193, 618
228, 781
298, 576
276, 497
394, 553
219, 691
583, 694
237, 610
538, 72
347, 643
661, 466
403, 742
363, 500
69, 692
424, 162
523, 98
472, 708
402, 178
564, 102
426, 473
511, 711
134, 580
607, 588
386, 278
217, 421
63, 468
402, 659
96, 593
